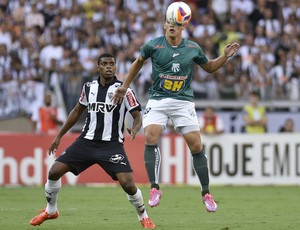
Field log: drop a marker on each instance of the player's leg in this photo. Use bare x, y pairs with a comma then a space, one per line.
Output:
200, 163
154, 121
152, 154
74, 160
135, 197
194, 143
53, 185
52, 188
114, 161
186, 122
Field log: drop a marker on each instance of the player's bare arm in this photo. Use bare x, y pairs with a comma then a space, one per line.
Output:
133, 71
71, 120
213, 65
137, 124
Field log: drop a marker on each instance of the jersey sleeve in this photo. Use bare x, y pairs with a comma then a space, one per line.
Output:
200, 58
131, 102
83, 96
146, 50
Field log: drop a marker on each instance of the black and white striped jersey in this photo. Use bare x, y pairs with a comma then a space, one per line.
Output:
105, 121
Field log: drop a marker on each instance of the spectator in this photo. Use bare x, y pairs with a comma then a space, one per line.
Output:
288, 126
46, 119
248, 51
294, 85
244, 87
89, 52
205, 27
54, 50
227, 78
18, 72
5, 62
228, 35
259, 79
271, 25
199, 83
210, 122
255, 115
280, 75
220, 9
73, 79
34, 18
35, 71
244, 6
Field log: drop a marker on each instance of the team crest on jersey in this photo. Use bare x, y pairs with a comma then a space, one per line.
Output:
175, 67
110, 95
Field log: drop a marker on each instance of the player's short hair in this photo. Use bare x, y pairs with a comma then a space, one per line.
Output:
104, 55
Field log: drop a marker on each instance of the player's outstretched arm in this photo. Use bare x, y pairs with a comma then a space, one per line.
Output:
132, 73
71, 120
213, 65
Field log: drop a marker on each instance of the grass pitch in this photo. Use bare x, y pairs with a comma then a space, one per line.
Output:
181, 207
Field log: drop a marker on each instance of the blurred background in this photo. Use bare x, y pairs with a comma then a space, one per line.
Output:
51, 47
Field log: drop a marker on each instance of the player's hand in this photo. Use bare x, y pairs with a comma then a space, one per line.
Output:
119, 95
231, 49
54, 146
132, 133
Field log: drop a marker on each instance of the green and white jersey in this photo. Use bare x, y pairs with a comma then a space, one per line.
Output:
172, 67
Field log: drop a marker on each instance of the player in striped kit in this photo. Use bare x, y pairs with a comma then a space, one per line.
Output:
100, 142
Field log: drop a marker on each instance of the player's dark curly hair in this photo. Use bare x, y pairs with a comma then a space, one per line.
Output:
104, 55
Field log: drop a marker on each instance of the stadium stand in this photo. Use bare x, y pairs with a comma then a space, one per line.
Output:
51, 44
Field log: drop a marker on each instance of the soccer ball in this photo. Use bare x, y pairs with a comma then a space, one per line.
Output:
178, 13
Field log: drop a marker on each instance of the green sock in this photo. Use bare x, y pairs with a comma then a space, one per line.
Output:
201, 168
152, 162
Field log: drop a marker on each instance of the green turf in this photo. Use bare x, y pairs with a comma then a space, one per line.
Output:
88, 208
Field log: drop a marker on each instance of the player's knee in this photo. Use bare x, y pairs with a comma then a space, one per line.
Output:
151, 139
196, 147
129, 187
55, 172
152, 134
53, 175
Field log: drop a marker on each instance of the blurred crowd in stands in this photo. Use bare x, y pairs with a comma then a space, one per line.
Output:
46, 44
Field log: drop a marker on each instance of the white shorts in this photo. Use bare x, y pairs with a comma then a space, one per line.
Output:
181, 113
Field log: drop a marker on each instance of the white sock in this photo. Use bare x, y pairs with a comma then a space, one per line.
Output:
52, 188
138, 202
